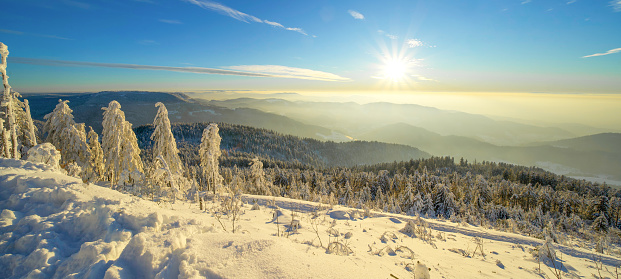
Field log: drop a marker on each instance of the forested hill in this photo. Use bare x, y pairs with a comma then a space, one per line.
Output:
243, 141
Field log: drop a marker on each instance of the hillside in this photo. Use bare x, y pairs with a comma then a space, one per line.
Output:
54, 226
287, 148
591, 157
602, 142
139, 108
358, 119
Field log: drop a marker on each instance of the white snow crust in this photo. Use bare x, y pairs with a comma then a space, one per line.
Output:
55, 226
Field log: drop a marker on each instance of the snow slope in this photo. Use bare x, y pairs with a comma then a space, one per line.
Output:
54, 226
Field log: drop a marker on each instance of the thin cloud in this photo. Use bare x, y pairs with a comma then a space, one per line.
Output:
616, 5
248, 71
356, 14
288, 72
526, 2
571, 1
388, 35
422, 78
412, 43
170, 21
230, 12
612, 51
33, 34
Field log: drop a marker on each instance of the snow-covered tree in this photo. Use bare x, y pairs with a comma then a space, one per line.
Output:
30, 131
76, 150
209, 155
17, 130
68, 136
164, 143
95, 167
257, 174
120, 147
56, 122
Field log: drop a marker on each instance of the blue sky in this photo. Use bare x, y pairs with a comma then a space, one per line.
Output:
569, 46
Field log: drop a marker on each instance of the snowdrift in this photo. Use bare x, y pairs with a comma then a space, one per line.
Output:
55, 226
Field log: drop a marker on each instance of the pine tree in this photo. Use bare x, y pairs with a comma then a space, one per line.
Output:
11, 113
209, 155
120, 147
257, 174
95, 168
30, 131
164, 143
76, 150
66, 135
56, 122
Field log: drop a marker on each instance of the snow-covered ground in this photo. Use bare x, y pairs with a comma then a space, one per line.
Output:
54, 226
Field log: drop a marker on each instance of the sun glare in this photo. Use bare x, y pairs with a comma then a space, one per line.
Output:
395, 70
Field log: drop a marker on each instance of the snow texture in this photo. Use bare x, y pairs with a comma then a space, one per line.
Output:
55, 226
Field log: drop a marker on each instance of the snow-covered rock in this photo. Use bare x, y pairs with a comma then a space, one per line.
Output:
44, 153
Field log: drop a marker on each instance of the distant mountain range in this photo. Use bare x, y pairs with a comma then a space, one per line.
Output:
595, 155
436, 132
272, 140
458, 134
356, 119
286, 148
139, 108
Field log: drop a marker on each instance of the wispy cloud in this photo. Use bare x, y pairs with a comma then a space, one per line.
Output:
422, 78
388, 35
605, 53
571, 1
170, 21
249, 71
33, 34
356, 14
526, 1
230, 12
288, 72
616, 5
412, 43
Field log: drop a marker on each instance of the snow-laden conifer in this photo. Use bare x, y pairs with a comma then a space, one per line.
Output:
68, 136
17, 131
30, 134
259, 183
120, 147
209, 154
95, 168
164, 143
76, 150
55, 122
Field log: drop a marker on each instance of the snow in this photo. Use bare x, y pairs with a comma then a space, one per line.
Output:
44, 153
55, 226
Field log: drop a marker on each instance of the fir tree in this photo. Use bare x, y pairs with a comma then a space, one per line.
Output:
209, 156
120, 147
95, 168
164, 143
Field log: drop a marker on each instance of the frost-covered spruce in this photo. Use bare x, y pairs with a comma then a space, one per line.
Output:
120, 146
258, 178
68, 136
164, 144
95, 168
17, 128
209, 154
55, 122
30, 138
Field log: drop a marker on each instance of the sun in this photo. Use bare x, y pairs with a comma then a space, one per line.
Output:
395, 70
